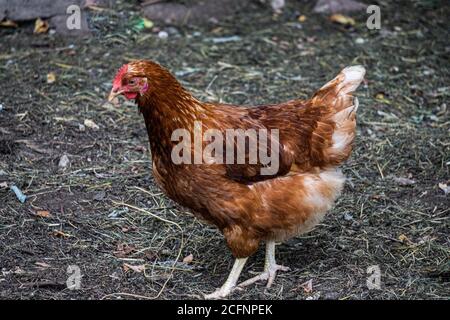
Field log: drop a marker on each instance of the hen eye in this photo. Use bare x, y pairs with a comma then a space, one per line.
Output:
132, 82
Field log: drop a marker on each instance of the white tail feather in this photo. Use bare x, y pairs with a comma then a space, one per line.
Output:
353, 77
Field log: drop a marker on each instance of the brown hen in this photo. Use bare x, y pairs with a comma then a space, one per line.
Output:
248, 206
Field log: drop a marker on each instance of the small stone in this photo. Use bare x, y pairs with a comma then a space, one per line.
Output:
331, 296
213, 20
91, 124
360, 41
64, 162
99, 196
348, 216
163, 34
172, 31
315, 296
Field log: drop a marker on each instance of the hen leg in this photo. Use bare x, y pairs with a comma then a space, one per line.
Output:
230, 284
270, 268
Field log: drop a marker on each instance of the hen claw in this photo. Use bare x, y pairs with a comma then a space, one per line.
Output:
269, 274
218, 294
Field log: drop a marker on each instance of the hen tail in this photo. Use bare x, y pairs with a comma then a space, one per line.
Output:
337, 96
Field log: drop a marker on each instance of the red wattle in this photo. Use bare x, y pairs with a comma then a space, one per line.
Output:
130, 95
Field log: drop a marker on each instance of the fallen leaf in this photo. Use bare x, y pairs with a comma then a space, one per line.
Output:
188, 259
341, 19
40, 26
138, 268
379, 96
444, 187
91, 124
307, 286
58, 233
43, 213
148, 24
123, 250
143, 23
51, 78
302, 18
8, 24
403, 238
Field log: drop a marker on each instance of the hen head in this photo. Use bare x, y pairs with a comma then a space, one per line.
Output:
129, 83
140, 78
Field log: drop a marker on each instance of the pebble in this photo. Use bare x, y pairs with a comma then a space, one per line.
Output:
64, 162
358, 253
163, 35
172, 31
99, 196
348, 216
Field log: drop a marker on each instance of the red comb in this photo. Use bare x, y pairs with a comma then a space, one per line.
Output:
118, 79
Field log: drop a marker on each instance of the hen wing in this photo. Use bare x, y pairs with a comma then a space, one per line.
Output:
316, 133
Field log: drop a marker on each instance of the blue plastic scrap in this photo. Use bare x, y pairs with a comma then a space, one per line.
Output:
19, 194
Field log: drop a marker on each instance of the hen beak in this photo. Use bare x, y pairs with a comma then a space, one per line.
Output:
113, 95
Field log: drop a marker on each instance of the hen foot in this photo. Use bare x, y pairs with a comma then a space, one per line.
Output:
269, 275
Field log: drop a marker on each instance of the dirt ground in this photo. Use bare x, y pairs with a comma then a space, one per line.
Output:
103, 212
